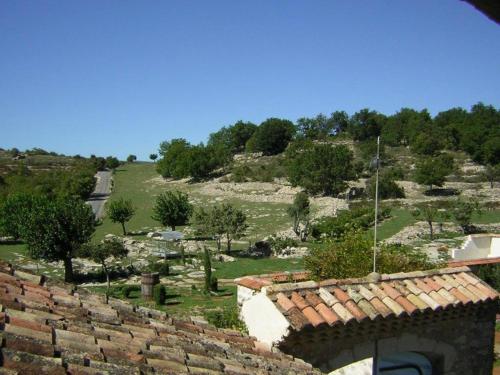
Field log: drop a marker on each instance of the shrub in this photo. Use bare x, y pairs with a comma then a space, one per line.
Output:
127, 289
279, 243
214, 284
227, 317
352, 256
358, 218
489, 273
387, 188
159, 294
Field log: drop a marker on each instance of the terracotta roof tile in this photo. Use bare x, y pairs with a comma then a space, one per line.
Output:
487, 290
471, 296
448, 296
91, 336
355, 310
326, 296
381, 308
395, 295
432, 284
460, 296
299, 301
483, 296
313, 299
312, 315
341, 295
327, 314
285, 302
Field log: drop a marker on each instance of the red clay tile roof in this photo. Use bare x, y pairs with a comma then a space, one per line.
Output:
473, 262
334, 302
49, 329
256, 282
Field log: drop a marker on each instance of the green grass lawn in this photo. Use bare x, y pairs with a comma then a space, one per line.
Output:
130, 182
180, 301
400, 219
486, 217
247, 266
133, 181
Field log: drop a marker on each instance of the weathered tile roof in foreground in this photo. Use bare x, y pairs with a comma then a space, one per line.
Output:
313, 304
51, 329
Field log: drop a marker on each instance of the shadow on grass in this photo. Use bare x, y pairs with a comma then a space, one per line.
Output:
448, 192
11, 241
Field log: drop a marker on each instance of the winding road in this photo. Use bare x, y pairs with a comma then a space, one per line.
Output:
101, 193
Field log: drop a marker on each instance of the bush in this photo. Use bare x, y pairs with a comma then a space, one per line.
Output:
214, 284
271, 137
320, 168
352, 256
357, 218
279, 243
159, 294
127, 289
227, 317
387, 188
490, 274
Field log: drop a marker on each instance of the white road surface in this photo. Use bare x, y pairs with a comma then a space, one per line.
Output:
101, 193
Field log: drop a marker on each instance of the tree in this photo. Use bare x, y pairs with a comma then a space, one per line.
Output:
55, 229
131, 158
427, 144
172, 208
320, 168
210, 222
387, 187
13, 213
271, 137
233, 138
172, 163
102, 252
180, 159
112, 162
153, 157
98, 163
433, 170
429, 213
352, 256
366, 124
121, 211
299, 213
402, 127
207, 265
319, 127
234, 222
492, 174
462, 211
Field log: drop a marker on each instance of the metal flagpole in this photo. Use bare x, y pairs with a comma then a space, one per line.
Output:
377, 161
376, 207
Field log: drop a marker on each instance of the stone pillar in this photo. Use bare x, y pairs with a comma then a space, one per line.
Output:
148, 281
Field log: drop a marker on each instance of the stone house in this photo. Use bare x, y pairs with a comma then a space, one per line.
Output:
423, 322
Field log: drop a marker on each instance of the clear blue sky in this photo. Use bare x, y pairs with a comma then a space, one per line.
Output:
117, 77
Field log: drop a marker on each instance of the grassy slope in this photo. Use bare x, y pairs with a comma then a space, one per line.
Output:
132, 181
129, 183
400, 218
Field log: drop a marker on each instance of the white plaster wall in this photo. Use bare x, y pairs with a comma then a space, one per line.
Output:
263, 319
495, 247
243, 294
477, 247
363, 367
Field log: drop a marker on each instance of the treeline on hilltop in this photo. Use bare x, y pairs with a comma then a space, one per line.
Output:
58, 176
311, 161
